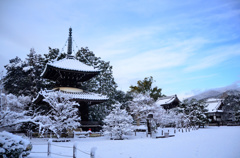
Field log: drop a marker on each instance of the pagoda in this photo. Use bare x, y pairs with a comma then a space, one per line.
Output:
68, 74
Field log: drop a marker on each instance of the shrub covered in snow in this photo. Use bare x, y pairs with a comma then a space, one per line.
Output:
13, 146
118, 123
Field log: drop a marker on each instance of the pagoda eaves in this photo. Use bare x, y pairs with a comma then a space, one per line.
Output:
58, 69
90, 98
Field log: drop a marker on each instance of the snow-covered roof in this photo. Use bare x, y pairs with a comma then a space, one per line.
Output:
82, 96
86, 96
71, 64
166, 100
213, 105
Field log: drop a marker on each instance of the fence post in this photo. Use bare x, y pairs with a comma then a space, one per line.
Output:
92, 154
49, 147
31, 134
74, 150
162, 132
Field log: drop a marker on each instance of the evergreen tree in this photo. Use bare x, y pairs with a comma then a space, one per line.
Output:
194, 112
24, 77
231, 108
145, 87
118, 123
16, 80
33, 68
103, 83
52, 55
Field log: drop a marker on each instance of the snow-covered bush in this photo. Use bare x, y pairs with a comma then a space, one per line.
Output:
118, 123
13, 146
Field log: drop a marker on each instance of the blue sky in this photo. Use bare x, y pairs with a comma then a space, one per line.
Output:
187, 46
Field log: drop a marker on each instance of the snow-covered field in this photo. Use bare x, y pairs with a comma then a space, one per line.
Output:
209, 142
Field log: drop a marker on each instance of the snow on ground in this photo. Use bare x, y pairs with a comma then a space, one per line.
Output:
209, 142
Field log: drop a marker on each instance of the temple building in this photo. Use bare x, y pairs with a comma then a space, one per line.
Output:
168, 102
215, 112
68, 74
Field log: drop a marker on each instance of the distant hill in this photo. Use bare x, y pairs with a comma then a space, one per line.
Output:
216, 94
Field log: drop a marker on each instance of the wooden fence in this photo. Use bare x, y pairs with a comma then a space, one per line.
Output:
74, 149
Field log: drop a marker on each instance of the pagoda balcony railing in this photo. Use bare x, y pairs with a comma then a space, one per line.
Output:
90, 123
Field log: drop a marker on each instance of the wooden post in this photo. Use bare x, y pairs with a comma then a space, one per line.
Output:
49, 147
162, 132
182, 130
174, 130
135, 132
168, 131
74, 150
31, 134
92, 154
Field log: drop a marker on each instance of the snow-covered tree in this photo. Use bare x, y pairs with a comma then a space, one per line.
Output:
33, 67
194, 112
15, 80
62, 113
231, 107
142, 105
14, 113
118, 123
23, 77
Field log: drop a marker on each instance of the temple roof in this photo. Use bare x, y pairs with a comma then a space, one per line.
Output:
91, 98
213, 105
56, 69
167, 100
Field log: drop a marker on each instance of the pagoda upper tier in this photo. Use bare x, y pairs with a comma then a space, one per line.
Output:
68, 72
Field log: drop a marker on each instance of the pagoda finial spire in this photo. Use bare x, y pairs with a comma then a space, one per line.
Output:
69, 52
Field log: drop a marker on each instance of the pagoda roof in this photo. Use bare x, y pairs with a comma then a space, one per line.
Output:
56, 69
91, 98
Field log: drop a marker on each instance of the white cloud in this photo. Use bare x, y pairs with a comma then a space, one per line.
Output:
217, 56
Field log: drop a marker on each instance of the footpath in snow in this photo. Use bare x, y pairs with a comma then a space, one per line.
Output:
209, 142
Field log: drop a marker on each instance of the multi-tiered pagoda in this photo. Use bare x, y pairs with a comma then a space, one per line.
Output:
69, 74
